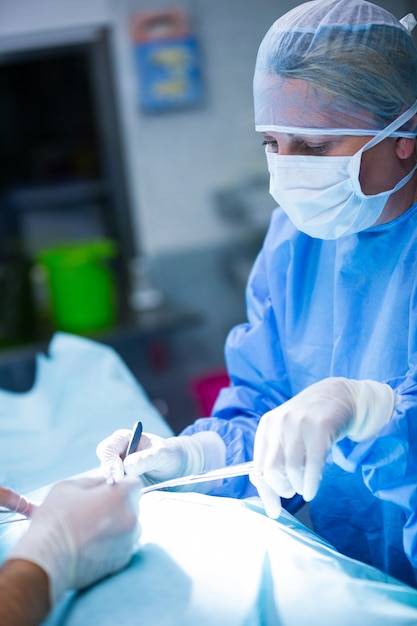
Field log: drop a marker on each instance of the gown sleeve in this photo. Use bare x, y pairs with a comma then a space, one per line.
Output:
389, 462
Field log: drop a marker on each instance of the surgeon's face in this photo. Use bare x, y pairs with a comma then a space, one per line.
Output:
296, 104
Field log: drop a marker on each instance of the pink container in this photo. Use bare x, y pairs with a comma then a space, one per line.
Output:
205, 388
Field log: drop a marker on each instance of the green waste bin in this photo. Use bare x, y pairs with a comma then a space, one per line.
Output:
81, 285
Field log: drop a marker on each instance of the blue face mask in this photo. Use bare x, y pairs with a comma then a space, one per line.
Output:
322, 196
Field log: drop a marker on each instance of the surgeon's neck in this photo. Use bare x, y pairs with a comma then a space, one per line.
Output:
399, 202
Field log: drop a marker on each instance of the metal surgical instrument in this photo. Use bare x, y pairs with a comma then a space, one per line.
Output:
134, 442
240, 469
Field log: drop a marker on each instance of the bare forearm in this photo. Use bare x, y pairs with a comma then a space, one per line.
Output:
24, 594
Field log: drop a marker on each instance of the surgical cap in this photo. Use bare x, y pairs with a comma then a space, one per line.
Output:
358, 64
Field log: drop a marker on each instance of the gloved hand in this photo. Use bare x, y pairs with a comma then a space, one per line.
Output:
292, 441
84, 530
159, 458
15, 502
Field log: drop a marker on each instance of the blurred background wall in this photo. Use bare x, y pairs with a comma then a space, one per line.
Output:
183, 190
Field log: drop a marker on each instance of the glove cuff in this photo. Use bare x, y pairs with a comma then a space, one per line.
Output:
375, 404
203, 451
214, 449
193, 455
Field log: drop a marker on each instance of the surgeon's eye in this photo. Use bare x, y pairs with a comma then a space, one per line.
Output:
312, 148
322, 149
272, 145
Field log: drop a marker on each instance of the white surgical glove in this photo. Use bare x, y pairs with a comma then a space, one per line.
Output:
83, 531
292, 441
158, 458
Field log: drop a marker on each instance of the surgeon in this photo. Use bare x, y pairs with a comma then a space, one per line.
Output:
83, 531
323, 392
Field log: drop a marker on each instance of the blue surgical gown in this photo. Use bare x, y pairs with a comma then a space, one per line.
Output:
345, 307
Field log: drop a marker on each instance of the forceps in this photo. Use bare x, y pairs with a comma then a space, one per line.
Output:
240, 469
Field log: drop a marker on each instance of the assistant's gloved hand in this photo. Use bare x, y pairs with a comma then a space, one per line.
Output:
292, 441
84, 530
159, 458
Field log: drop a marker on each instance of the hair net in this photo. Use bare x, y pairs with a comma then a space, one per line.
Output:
358, 64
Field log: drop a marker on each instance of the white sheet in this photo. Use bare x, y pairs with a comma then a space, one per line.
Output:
208, 561
83, 391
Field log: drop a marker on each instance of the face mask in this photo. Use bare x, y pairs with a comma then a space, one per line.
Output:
322, 196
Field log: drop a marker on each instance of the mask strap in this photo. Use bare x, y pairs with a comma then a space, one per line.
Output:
395, 125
